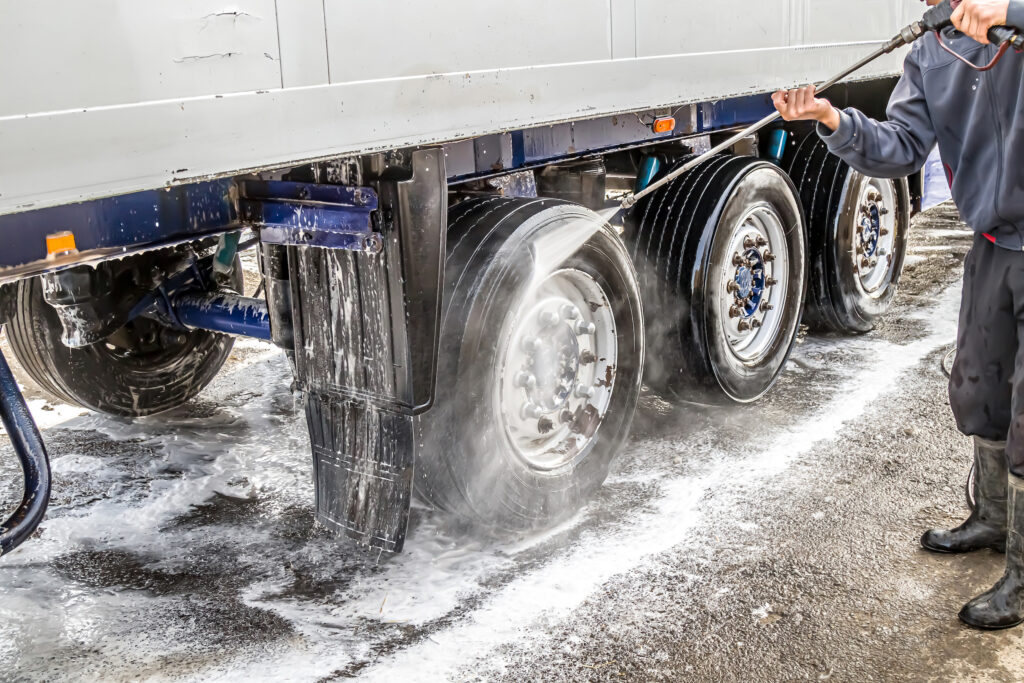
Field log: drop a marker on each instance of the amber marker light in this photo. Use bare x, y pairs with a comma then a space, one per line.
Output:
665, 124
60, 243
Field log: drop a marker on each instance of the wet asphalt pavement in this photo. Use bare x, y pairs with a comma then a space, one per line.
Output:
769, 542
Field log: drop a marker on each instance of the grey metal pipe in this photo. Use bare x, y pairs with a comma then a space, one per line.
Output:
906, 36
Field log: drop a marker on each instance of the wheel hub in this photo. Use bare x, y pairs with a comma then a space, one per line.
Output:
875, 234
750, 280
553, 366
870, 227
559, 369
753, 291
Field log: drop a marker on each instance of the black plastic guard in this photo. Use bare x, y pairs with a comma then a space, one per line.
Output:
362, 470
365, 329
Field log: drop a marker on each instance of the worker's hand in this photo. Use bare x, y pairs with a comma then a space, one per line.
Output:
976, 17
802, 105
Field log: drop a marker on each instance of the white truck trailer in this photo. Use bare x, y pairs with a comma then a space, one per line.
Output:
423, 183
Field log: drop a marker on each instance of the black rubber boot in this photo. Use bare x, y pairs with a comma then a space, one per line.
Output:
1003, 606
986, 527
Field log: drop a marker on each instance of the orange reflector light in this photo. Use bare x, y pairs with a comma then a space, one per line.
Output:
60, 243
665, 124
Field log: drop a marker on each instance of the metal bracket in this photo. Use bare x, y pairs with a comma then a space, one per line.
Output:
311, 215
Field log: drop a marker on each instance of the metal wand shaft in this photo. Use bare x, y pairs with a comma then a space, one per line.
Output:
630, 200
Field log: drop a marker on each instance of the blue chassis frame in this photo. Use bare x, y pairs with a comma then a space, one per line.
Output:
134, 222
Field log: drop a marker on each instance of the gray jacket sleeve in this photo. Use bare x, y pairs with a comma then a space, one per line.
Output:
1015, 14
893, 148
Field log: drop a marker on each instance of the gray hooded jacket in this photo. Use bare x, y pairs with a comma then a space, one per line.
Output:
977, 119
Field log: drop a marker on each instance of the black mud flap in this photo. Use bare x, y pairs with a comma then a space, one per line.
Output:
362, 470
365, 330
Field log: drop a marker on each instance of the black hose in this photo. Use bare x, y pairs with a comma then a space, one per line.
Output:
35, 465
947, 362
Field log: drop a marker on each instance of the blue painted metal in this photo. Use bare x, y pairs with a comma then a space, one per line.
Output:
547, 144
126, 222
544, 144
35, 464
649, 168
223, 312
304, 214
777, 144
738, 111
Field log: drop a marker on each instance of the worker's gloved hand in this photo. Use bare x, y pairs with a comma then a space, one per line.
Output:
976, 17
802, 105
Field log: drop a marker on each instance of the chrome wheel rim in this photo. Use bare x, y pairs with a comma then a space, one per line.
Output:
557, 374
753, 288
874, 236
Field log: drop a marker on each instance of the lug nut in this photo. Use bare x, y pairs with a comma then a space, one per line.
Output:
532, 344
735, 312
882, 211
768, 256
882, 252
732, 286
549, 318
748, 242
744, 326
533, 411
761, 241
583, 391
526, 380
570, 312
755, 324
738, 260
883, 232
770, 282
765, 307
874, 261
865, 263
583, 327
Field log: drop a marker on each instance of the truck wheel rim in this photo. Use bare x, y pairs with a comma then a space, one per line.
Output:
754, 284
555, 383
874, 235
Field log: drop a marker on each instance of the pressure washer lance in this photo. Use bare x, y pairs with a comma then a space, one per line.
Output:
935, 19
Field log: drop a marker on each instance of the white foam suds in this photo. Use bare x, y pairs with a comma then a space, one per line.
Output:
467, 598
541, 598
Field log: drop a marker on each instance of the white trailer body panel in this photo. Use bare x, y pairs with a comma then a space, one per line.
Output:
115, 96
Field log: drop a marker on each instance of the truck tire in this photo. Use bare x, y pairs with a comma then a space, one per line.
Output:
857, 235
721, 253
542, 348
166, 369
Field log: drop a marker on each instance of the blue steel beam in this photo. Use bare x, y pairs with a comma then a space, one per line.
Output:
223, 312
311, 215
120, 223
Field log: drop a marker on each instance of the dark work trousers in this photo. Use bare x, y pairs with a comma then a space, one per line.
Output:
986, 387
